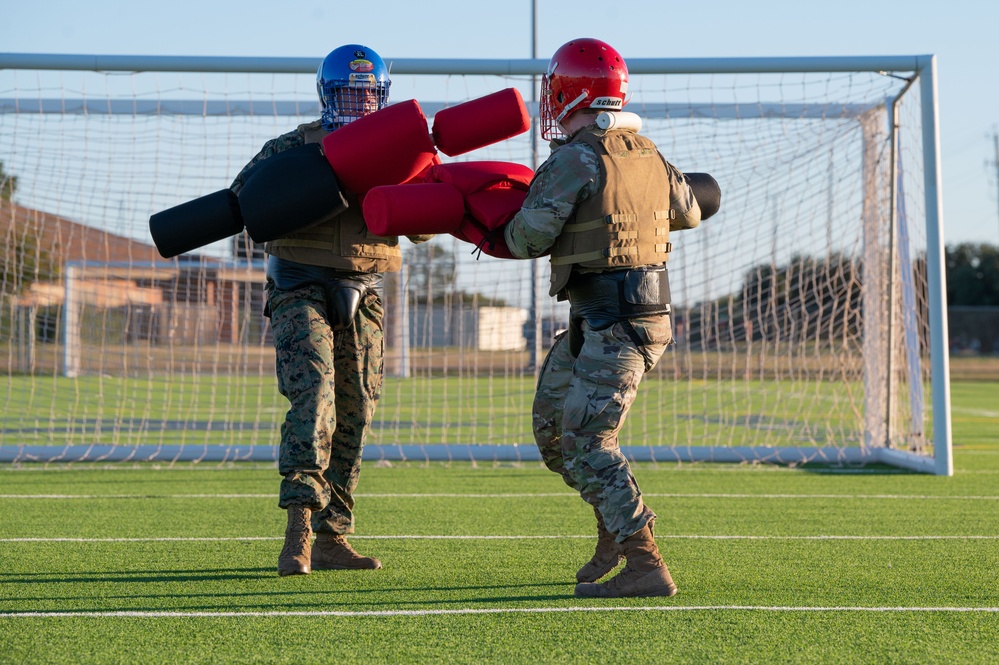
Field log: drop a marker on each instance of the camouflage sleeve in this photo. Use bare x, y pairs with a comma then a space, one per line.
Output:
681, 199
285, 141
570, 175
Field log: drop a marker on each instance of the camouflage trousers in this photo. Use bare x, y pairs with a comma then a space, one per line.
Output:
333, 382
580, 406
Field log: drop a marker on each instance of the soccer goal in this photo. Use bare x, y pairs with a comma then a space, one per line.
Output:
808, 313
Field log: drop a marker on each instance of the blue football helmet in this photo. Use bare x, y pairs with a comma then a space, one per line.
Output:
352, 81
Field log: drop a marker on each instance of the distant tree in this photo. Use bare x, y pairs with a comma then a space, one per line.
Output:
821, 298
8, 184
972, 275
432, 271
25, 262
807, 298
433, 277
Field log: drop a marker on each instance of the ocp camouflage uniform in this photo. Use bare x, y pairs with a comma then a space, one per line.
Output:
326, 313
594, 181
579, 409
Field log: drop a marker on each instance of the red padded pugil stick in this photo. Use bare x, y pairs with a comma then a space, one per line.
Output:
480, 122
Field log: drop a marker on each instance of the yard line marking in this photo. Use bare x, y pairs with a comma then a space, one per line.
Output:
514, 495
821, 496
481, 610
139, 496
659, 536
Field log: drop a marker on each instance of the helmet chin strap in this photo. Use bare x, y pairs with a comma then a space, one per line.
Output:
569, 107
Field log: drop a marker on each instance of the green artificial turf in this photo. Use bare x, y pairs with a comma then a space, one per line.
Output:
248, 411
141, 563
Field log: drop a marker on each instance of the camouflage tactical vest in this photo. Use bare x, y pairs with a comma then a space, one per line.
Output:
627, 222
344, 242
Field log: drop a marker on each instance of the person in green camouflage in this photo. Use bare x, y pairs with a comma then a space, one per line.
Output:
602, 205
326, 313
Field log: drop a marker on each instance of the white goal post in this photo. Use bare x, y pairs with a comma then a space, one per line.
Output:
809, 313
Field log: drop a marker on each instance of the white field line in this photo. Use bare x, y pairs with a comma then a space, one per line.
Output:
514, 495
183, 539
494, 610
706, 468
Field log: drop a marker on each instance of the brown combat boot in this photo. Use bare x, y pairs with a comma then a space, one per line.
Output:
297, 551
645, 574
606, 557
333, 552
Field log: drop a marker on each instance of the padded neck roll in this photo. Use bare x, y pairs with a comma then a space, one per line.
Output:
387, 147
619, 120
706, 191
196, 223
288, 192
418, 209
480, 122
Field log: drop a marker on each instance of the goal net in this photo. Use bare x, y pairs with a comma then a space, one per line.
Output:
808, 312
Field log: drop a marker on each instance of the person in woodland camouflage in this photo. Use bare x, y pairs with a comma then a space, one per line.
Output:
326, 314
602, 204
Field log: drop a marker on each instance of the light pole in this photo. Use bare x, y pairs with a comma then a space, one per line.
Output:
995, 140
537, 343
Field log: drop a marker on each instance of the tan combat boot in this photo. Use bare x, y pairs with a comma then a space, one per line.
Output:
606, 557
645, 574
333, 552
297, 551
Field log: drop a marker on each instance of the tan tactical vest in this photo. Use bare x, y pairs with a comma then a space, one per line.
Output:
343, 242
627, 222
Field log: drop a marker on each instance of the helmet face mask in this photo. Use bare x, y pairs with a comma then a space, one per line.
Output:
583, 74
352, 82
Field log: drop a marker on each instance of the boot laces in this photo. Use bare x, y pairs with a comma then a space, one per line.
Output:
340, 541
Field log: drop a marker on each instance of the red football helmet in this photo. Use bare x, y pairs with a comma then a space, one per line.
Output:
583, 74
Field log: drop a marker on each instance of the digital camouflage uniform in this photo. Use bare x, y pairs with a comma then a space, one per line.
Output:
332, 377
333, 382
582, 400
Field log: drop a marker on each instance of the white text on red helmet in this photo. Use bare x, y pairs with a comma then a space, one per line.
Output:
607, 103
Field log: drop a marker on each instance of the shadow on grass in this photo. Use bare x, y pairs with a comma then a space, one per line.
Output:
271, 599
858, 470
132, 577
205, 575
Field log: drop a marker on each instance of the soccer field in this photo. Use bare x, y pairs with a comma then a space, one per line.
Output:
137, 564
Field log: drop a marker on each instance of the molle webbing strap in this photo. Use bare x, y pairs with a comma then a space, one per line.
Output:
621, 219
594, 255
371, 250
322, 236
299, 242
620, 227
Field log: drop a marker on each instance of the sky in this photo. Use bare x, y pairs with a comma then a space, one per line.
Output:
961, 33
